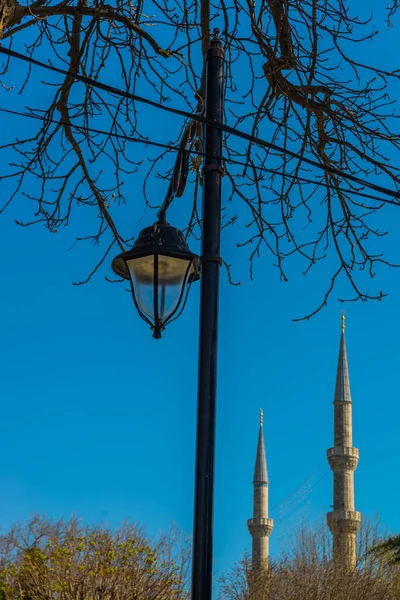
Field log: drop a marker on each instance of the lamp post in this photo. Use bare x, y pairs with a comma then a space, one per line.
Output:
207, 390
161, 268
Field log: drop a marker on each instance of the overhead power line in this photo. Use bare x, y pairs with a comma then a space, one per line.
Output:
198, 153
200, 118
122, 136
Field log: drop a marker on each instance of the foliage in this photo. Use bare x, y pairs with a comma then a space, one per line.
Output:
47, 560
305, 571
389, 549
295, 76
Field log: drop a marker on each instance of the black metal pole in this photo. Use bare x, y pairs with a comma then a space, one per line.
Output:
211, 261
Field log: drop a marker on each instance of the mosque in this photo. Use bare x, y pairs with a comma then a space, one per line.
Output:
343, 521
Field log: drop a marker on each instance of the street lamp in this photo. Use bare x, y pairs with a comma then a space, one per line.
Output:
160, 268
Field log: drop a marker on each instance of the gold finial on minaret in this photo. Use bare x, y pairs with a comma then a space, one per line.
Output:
261, 417
343, 321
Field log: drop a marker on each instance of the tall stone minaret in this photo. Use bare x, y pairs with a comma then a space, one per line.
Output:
343, 521
260, 526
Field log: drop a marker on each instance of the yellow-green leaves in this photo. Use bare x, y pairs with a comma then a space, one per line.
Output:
68, 561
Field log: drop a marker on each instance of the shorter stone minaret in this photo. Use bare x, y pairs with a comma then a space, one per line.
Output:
343, 521
260, 526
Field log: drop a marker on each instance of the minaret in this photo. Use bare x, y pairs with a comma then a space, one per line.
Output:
260, 526
343, 521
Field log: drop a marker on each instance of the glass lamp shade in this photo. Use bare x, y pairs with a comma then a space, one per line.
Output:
160, 268
158, 281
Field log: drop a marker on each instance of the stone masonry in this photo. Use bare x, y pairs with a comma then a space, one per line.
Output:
343, 521
260, 526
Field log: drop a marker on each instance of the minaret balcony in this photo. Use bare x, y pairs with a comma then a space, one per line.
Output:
343, 458
260, 526
344, 521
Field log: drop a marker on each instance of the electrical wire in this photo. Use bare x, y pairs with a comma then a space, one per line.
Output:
203, 154
302, 484
201, 119
85, 129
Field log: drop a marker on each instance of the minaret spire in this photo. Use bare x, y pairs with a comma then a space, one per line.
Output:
260, 526
343, 521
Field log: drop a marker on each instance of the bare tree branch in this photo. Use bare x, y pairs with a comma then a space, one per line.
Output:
290, 78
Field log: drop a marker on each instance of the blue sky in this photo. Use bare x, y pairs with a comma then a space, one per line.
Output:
98, 419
